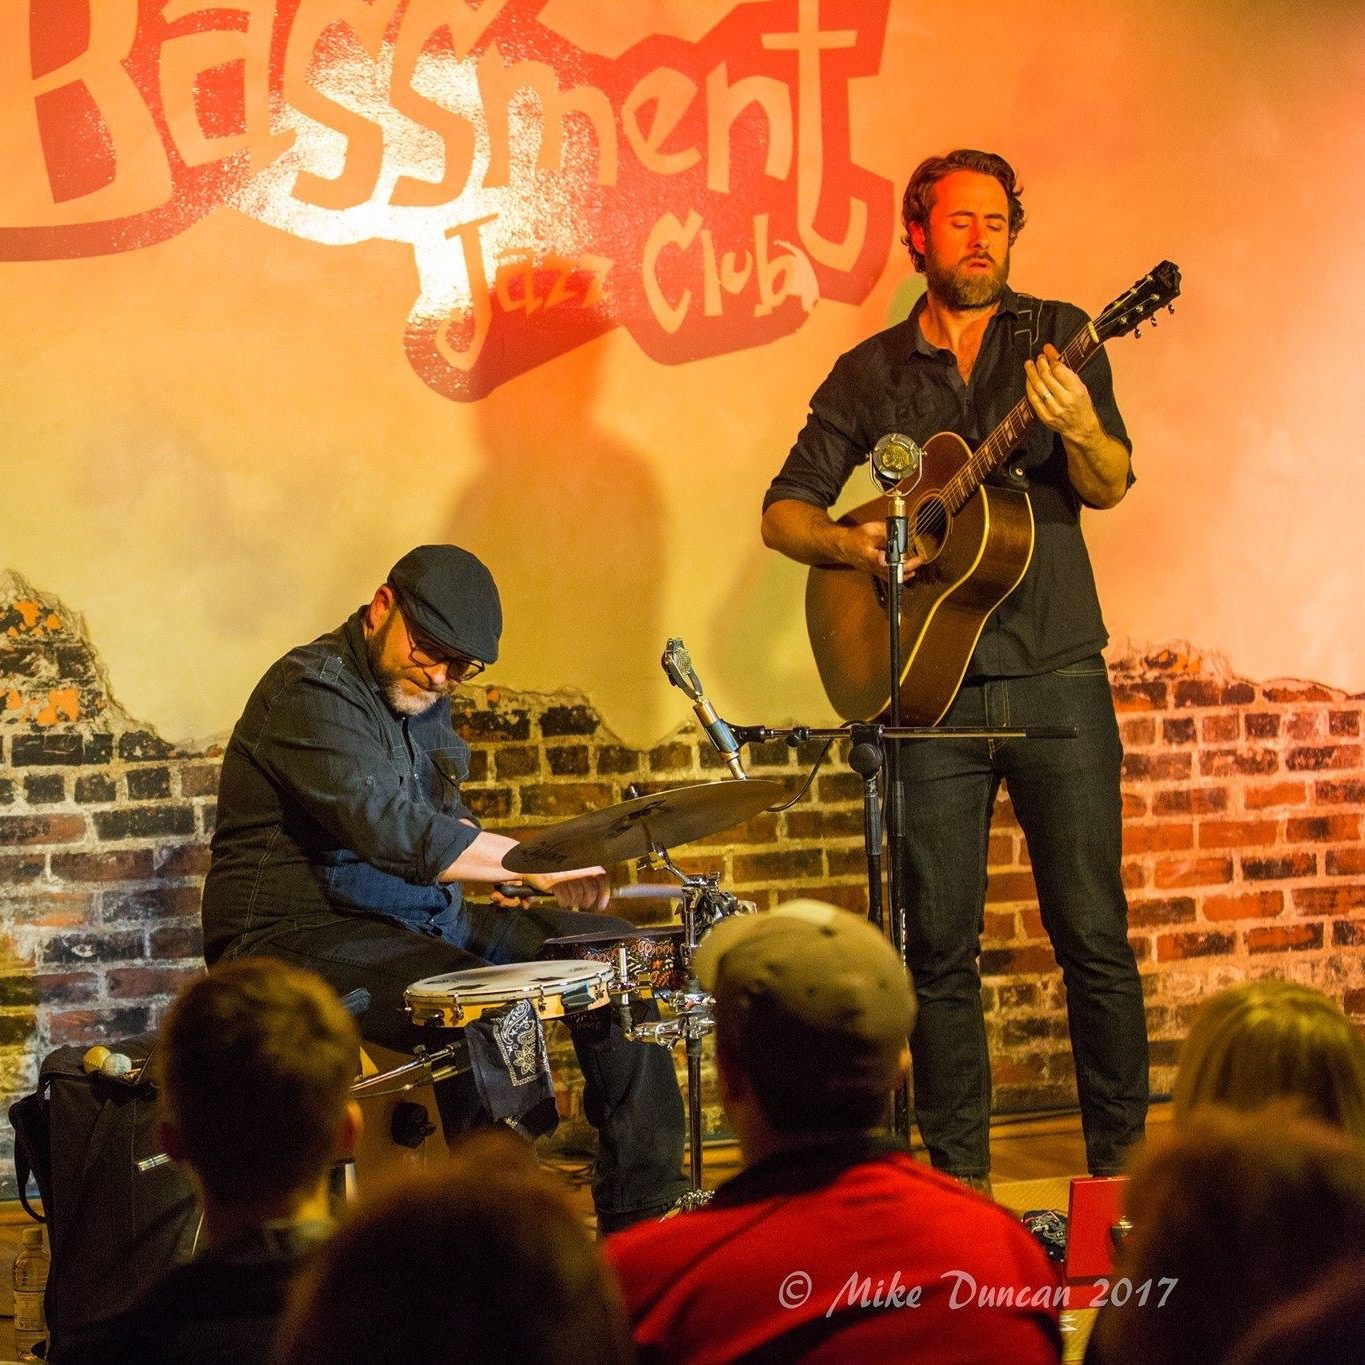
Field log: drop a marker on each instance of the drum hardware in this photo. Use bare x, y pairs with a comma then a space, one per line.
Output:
410, 1125
425, 1068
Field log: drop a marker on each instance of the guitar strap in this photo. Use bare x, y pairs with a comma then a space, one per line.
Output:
1027, 333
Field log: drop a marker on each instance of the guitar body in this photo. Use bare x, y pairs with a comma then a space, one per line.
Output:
974, 560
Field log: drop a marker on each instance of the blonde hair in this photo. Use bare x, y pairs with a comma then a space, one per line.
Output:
1272, 1040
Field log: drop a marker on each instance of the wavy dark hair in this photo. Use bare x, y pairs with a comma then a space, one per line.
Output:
919, 193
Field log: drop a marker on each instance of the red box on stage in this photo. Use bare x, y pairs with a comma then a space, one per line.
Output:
1096, 1206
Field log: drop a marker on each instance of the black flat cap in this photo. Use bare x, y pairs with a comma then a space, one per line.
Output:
448, 594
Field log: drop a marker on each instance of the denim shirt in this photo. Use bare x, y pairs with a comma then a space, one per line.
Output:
329, 803
897, 381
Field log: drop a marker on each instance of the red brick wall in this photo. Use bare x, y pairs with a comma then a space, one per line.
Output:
1244, 852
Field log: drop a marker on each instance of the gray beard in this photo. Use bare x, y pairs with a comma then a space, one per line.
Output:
406, 704
956, 289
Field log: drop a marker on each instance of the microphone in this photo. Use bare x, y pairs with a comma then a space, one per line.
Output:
677, 663
896, 458
113, 1066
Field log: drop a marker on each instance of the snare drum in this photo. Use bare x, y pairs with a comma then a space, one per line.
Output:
655, 961
554, 989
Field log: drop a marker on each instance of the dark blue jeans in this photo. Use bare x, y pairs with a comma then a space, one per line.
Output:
631, 1095
1065, 794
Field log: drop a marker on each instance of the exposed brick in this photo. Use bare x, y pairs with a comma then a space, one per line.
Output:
834, 788
51, 909
1350, 792
822, 824
17, 830
109, 866
1175, 947
62, 749
1316, 758
1010, 886
1156, 837
73, 949
616, 758
149, 784
1197, 692
95, 787
175, 941
478, 764
1027, 1031
1150, 913
90, 1025
1017, 995
1237, 694
1235, 833
846, 862
140, 982
790, 864
569, 720
1261, 724
999, 849
1346, 862
1156, 767
1133, 874
1304, 725
1190, 801
1133, 805
569, 761
565, 799
1279, 867
142, 746
1193, 871
157, 902
200, 779
1221, 729
7, 791
1328, 900
1137, 730
143, 822
1274, 794
1284, 938
1181, 731
1298, 692
1140, 696
1024, 961
1251, 905
1348, 933
66, 988
208, 817
1001, 926
1343, 722
1321, 829
18, 989
492, 725
23, 867
182, 860
671, 758
488, 803
1238, 763
44, 789
1353, 1002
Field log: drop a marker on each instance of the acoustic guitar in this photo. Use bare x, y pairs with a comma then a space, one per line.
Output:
976, 542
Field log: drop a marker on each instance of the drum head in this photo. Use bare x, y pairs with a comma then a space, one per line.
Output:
554, 988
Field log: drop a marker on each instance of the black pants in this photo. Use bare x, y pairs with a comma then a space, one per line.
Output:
631, 1094
1065, 793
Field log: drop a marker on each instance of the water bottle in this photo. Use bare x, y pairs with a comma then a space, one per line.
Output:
30, 1281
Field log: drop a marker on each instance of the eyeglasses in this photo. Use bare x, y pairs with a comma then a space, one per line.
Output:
426, 653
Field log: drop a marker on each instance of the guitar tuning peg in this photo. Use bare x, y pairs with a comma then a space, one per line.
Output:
1137, 332
1153, 321
1170, 308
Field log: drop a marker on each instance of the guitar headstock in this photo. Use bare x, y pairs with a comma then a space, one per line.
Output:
1157, 289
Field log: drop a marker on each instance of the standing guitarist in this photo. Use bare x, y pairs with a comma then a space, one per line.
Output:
969, 350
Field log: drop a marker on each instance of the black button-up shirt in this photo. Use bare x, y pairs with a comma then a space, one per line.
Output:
897, 381
330, 803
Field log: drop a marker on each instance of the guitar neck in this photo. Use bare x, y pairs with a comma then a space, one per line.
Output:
995, 449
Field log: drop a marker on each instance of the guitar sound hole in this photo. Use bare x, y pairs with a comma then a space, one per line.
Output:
928, 528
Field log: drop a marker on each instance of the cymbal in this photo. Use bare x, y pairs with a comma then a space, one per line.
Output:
631, 828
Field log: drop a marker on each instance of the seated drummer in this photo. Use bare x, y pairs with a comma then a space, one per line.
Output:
342, 845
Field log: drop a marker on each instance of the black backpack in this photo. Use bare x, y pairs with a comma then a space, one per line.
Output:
112, 1229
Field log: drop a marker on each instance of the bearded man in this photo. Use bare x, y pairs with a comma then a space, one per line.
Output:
969, 350
342, 845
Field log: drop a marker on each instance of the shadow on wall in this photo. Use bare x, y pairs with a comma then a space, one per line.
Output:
570, 501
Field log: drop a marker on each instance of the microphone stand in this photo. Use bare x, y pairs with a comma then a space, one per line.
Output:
897, 535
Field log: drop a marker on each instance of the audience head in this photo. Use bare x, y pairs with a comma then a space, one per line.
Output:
258, 1059
1242, 1212
478, 1261
1271, 1040
813, 1010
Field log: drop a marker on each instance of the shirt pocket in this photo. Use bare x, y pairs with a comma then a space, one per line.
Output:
450, 767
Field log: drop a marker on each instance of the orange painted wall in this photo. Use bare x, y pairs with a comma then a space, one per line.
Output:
218, 441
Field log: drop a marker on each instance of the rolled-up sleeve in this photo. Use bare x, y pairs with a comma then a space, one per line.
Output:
322, 747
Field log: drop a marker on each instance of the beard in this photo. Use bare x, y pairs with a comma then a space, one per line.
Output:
397, 688
957, 287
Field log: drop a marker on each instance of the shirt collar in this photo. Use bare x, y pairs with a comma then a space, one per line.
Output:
354, 634
807, 1167
1009, 304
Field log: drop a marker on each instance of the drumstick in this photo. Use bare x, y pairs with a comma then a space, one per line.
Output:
634, 891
